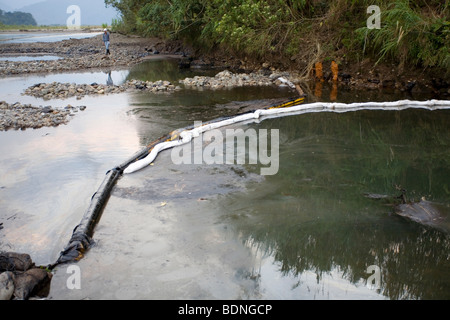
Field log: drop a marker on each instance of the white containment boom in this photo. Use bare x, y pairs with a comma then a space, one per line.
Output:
281, 111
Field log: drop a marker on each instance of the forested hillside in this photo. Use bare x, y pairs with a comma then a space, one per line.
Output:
411, 33
16, 18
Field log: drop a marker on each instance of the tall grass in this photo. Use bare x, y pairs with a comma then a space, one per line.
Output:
412, 32
418, 36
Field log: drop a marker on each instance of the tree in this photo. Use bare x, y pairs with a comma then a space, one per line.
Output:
17, 18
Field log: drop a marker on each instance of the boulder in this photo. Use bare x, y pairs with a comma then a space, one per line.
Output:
11, 261
6, 285
423, 212
35, 281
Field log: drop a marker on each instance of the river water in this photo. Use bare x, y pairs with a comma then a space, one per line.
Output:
224, 231
36, 36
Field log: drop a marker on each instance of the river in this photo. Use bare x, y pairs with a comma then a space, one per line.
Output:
38, 36
224, 231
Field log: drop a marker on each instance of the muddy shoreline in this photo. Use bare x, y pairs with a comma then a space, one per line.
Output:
126, 51
88, 54
75, 54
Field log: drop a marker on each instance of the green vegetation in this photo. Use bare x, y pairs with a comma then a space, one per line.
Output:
412, 32
315, 216
16, 18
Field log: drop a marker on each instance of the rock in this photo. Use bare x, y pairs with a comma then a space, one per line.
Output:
35, 281
345, 76
18, 116
6, 285
410, 85
11, 261
229, 80
376, 81
47, 109
388, 83
73, 62
22, 279
184, 63
224, 75
439, 83
423, 212
62, 91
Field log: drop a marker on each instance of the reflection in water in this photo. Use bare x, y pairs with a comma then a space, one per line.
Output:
164, 69
48, 175
313, 216
25, 37
30, 58
161, 113
311, 220
318, 89
334, 92
109, 80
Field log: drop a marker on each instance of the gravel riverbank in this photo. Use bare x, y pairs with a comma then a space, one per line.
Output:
77, 54
126, 51
19, 116
57, 90
228, 79
224, 79
74, 55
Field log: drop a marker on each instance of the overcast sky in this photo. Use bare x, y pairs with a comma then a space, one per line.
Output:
54, 12
17, 4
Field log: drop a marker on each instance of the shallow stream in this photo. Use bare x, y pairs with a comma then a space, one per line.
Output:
36, 36
224, 231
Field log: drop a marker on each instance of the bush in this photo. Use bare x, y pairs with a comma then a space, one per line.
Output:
410, 34
16, 18
414, 32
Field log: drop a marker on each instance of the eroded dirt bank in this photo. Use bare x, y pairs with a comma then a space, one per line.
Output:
85, 54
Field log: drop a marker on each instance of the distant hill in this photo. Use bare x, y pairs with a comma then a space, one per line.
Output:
17, 18
54, 12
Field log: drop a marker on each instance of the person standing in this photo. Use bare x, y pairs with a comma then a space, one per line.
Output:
106, 40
